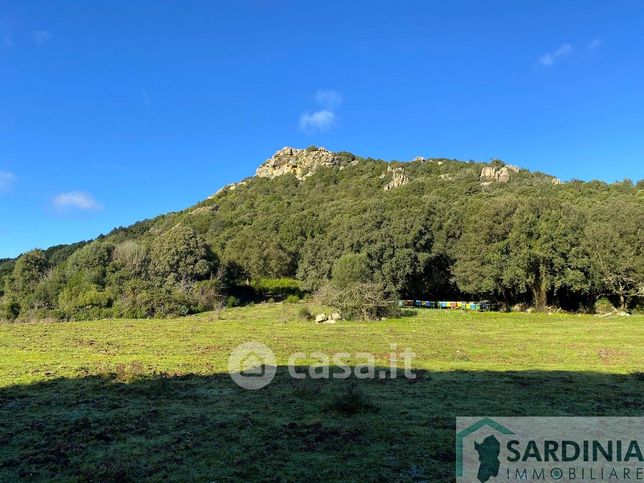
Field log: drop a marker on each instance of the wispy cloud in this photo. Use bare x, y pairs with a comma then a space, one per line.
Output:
41, 36
317, 121
7, 181
594, 44
76, 200
326, 117
550, 58
6, 39
328, 98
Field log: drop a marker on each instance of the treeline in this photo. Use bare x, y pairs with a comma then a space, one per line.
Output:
443, 235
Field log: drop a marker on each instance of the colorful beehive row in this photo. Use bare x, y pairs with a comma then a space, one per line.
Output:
428, 304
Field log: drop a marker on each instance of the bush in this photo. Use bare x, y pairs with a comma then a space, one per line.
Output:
304, 314
232, 301
9, 308
292, 299
353, 291
89, 265
207, 295
351, 268
131, 257
85, 302
277, 288
144, 300
180, 255
28, 271
350, 401
366, 301
604, 306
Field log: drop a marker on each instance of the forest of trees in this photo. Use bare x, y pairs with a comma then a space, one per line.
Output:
443, 235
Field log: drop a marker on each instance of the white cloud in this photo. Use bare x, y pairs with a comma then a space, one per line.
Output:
76, 200
41, 36
7, 181
328, 98
317, 121
550, 58
594, 44
324, 118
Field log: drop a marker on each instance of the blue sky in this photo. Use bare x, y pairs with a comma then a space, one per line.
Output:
115, 111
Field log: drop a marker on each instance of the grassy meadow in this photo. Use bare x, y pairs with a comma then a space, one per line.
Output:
125, 400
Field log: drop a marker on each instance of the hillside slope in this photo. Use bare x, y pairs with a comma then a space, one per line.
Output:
430, 228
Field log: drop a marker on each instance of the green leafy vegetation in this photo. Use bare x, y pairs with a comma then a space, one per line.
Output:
442, 234
353, 290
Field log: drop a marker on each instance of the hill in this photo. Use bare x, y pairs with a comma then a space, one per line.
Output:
427, 228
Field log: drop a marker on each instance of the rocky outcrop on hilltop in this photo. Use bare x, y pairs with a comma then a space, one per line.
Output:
299, 162
491, 174
303, 163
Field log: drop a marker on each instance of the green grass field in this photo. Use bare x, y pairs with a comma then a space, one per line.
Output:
120, 400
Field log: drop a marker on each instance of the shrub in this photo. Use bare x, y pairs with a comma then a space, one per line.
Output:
350, 401
366, 301
277, 288
144, 300
85, 302
604, 306
132, 257
207, 295
232, 301
128, 371
292, 299
304, 314
89, 264
9, 308
180, 255
351, 268
353, 292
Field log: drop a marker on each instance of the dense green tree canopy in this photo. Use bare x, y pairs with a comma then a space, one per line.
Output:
443, 234
180, 255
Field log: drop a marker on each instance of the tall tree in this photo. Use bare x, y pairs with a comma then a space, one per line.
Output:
181, 256
614, 238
